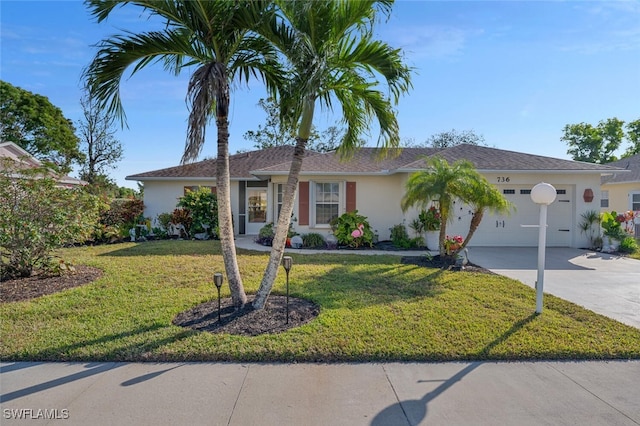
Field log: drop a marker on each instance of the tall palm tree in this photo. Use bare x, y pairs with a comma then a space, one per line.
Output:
217, 38
443, 183
333, 57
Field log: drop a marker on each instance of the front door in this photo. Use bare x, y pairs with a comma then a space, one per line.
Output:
256, 209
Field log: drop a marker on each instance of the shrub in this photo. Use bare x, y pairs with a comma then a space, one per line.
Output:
313, 240
400, 238
628, 245
182, 216
612, 225
343, 227
164, 219
266, 234
203, 207
37, 216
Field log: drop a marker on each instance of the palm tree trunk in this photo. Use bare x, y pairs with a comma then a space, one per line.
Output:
473, 226
282, 229
225, 221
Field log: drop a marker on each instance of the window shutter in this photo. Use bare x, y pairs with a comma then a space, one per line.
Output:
214, 189
303, 203
351, 196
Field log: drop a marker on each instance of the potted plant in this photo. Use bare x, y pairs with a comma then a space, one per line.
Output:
613, 233
431, 221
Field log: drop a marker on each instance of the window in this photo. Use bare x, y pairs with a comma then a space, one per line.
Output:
508, 191
561, 191
327, 202
279, 196
525, 192
196, 187
604, 199
635, 201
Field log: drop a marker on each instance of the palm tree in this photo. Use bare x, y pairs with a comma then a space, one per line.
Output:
444, 183
333, 58
218, 39
482, 196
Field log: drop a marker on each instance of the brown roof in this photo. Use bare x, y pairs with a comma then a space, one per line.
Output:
632, 164
240, 165
276, 161
486, 158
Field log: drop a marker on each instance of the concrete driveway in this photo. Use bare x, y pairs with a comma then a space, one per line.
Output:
603, 283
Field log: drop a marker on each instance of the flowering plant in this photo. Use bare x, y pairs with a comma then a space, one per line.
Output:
430, 219
451, 244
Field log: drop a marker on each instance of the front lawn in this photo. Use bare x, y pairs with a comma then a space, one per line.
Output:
373, 308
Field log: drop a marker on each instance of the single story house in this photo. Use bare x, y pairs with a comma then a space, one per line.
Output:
330, 187
23, 160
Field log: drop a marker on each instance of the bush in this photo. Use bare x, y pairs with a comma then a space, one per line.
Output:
203, 207
182, 216
37, 217
313, 240
628, 245
122, 213
164, 219
400, 238
266, 234
343, 227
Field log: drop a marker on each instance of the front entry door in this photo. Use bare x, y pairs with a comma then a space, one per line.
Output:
256, 209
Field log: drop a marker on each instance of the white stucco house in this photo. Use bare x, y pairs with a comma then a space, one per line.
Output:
329, 187
621, 190
23, 160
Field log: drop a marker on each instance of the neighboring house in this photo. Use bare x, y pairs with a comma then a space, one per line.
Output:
621, 190
23, 160
330, 187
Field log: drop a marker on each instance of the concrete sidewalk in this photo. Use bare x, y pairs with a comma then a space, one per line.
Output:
478, 393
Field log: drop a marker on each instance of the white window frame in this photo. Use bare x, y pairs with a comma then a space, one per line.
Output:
604, 199
312, 202
277, 203
631, 202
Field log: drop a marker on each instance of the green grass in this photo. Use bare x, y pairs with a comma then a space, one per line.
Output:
372, 309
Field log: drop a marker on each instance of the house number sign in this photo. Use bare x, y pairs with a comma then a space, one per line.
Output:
502, 179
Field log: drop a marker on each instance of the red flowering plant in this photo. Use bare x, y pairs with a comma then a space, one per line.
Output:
430, 219
452, 244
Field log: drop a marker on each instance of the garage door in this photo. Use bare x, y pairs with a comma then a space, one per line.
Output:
502, 230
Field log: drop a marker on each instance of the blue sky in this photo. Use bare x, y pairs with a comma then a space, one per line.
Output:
515, 72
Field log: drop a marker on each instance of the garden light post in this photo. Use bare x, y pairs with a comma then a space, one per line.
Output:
287, 261
217, 280
542, 194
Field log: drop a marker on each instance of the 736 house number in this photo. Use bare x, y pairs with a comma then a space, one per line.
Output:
502, 179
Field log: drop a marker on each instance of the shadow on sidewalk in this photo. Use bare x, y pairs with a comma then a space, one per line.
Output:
415, 410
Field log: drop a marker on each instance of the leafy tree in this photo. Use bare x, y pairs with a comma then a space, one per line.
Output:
215, 41
275, 133
97, 141
35, 124
633, 135
31, 230
333, 58
442, 183
594, 144
449, 139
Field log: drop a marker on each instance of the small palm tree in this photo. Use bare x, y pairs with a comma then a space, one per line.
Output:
333, 58
443, 183
218, 38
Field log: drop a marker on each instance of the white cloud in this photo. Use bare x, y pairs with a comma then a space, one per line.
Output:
432, 41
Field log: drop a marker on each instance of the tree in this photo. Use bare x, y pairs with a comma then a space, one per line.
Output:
633, 135
453, 138
594, 144
333, 57
97, 140
215, 40
275, 133
31, 231
35, 124
443, 183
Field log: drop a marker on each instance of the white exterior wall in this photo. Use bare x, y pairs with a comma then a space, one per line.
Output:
620, 196
162, 196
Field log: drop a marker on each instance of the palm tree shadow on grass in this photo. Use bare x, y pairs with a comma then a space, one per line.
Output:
414, 411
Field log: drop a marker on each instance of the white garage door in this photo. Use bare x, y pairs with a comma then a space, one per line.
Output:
502, 230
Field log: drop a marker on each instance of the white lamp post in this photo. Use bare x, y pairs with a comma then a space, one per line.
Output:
542, 194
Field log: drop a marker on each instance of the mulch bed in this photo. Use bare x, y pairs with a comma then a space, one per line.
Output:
247, 321
40, 285
436, 262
